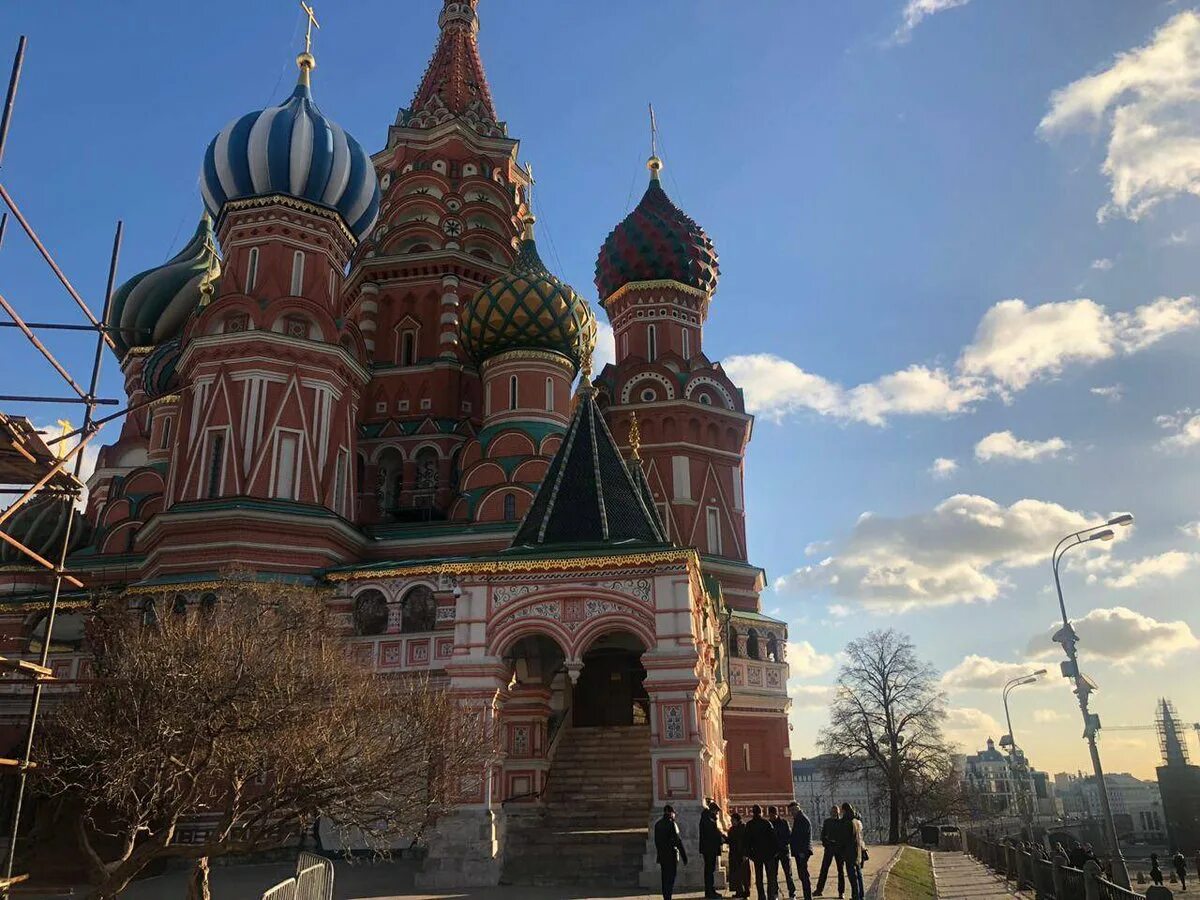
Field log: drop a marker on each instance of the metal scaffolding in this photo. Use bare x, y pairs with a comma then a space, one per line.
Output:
31, 466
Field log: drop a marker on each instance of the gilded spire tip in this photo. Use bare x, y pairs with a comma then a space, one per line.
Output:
306, 61
635, 437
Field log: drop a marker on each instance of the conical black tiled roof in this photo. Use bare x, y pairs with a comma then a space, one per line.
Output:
589, 495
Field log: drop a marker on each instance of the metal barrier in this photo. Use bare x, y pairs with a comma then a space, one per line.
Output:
1048, 880
313, 881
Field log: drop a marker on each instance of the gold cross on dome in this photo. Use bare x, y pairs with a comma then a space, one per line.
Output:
312, 20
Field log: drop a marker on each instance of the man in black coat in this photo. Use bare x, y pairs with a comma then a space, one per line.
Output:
739, 861
764, 848
783, 835
711, 839
669, 848
801, 846
830, 831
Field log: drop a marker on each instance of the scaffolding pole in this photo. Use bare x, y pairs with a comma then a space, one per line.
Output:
45, 468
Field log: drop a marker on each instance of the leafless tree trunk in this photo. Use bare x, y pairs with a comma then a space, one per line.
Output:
198, 884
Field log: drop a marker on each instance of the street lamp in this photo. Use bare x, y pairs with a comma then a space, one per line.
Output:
1084, 686
1015, 766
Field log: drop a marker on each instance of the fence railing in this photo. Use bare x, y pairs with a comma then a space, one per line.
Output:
313, 881
1048, 880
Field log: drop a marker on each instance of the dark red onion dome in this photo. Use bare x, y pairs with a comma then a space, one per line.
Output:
657, 242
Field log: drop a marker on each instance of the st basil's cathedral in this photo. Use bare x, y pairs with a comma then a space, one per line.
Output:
360, 372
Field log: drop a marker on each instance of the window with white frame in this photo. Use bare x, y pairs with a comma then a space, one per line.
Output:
512, 392
341, 476
713, 523
287, 455
297, 273
251, 269
549, 395
408, 347
164, 440
215, 464
687, 344
651, 343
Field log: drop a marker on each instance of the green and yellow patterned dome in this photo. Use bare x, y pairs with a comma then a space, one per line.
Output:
527, 308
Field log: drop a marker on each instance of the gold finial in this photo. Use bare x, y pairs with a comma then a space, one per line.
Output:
635, 437
61, 448
585, 368
306, 61
655, 164
528, 220
208, 281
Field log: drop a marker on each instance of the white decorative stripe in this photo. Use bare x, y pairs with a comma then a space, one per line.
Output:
302, 143
257, 150
221, 159
339, 177
366, 192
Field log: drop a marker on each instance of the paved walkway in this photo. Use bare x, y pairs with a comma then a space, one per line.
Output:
393, 881
959, 877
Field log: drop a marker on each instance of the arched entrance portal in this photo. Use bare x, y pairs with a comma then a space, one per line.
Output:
609, 690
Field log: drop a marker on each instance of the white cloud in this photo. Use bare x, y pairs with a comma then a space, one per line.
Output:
1014, 346
1046, 716
943, 467
1006, 445
916, 11
817, 547
606, 347
839, 610
1183, 428
1124, 637
982, 673
1112, 392
1102, 265
1121, 574
969, 727
1191, 529
811, 696
1148, 101
805, 662
957, 552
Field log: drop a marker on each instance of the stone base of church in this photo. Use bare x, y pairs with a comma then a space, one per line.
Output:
465, 850
691, 876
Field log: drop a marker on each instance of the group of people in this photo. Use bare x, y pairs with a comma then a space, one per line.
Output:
1179, 862
762, 846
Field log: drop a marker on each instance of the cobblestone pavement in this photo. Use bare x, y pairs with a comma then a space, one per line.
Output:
959, 877
393, 881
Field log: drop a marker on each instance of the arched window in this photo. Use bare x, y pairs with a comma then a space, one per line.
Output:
734, 650
512, 392
208, 604
370, 613
549, 395
297, 273
510, 507
651, 343
149, 612
772, 647
752, 650
418, 610
408, 348
251, 269
391, 480
179, 605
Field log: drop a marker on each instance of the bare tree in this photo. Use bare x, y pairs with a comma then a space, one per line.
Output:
251, 714
886, 720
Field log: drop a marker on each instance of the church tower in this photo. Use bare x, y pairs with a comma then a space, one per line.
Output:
656, 275
270, 371
453, 195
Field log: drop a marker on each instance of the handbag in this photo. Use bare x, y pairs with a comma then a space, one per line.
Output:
865, 855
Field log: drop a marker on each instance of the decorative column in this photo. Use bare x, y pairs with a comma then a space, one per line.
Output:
448, 325
368, 311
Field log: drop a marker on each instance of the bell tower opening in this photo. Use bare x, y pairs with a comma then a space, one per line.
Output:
610, 689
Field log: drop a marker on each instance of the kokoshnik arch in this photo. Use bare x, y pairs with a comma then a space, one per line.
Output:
370, 384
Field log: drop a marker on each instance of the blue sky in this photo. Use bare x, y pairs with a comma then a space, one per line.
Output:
921, 247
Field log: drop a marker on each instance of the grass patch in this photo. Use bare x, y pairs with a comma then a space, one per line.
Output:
911, 878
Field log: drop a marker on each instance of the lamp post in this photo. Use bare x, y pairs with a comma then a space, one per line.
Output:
1015, 763
1084, 686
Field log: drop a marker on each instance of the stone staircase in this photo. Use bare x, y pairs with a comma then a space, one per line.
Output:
593, 827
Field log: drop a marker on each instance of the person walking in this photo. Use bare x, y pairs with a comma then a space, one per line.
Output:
1180, 864
711, 841
829, 844
801, 847
1155, 871
668, 847
851, 845
763, 847
783, 834
739, 861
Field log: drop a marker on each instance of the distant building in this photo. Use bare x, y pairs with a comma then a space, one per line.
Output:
818, 784
1137, 805
1178, 783
998, 784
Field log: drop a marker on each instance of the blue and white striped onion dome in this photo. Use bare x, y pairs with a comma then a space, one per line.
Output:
292, 149
153, 306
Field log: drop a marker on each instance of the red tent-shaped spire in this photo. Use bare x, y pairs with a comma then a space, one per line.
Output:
455, 86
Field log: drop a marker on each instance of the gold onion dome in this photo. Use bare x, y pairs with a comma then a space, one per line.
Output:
528, 308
